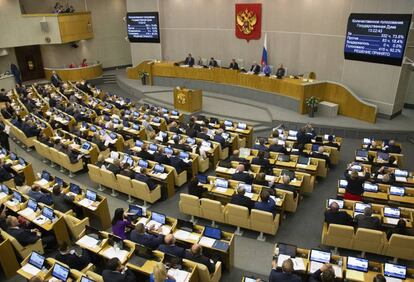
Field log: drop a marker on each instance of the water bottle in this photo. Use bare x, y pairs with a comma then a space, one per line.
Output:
340, 263
276, 251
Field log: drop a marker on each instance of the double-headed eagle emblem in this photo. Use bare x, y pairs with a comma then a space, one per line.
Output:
246, 20
181, 98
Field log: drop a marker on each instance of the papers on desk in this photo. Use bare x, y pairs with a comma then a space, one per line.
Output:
87, 204
165, 230
221, 189
2, 195
179, 275
186, 236
159, 175
87, 241
42, 182
40, 220
112, 253
26, 212
12, 203
18, 167
277, 200
401, 179
270, 178
247, 194
7, 129
143, 220
207, 242
355, 275
393, 221
28, 268
338, 270
298, 263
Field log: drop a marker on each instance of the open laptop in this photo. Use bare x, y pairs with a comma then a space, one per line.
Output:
289, 173
317, 259
360, 207
157, 219
339, 202
86, 279
35, 263
222, 183
383, 156
395, 272
172, 261
287, 249
202, 178
93, 233
60, 272
392, 214
283, 158
134, 212
302, 160
185, 225
212, 232
397, 191
141, 255
361, 155
370, 187
159, 168
356, 268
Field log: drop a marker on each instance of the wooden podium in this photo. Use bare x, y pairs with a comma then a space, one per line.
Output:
188, 100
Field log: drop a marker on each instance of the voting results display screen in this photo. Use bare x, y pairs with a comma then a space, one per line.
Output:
377, 38
143, 27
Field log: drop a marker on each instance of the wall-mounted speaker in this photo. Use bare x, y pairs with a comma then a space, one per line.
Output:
44, 26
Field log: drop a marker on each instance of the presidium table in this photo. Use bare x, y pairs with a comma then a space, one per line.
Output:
299, 89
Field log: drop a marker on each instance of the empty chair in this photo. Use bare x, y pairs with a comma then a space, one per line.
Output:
54, 156
95, 175
264, 222
338, 236
190, 205
180, 178
291, 202
212, 210
203, 273
308, 182
203, 164
238, 216
141, 191
109, 180
75, 225
23, 252
368, 240
125, 186
71, 167
400, 246
46, 152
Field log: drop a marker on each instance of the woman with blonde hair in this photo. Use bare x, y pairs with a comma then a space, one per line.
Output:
160, 274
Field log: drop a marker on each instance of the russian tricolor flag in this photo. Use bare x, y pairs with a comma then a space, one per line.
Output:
264, 53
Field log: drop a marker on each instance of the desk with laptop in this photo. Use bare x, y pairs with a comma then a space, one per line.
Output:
18, 164
378, 158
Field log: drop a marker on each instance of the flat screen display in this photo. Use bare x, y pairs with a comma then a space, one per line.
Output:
377, 38
143, 27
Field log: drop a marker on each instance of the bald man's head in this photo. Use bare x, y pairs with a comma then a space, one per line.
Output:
169, 239
196, 249
334, 206
287, 266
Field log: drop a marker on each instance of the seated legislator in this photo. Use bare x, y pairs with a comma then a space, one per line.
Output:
140, 176
127, 171
392, 147
281, 71
354, 189
69, 257
212, 63
144, 154
6, 172
241, 175
261, 180
195, 189
400, 228
180, 146
61, 201
366, 220
220, 139
159, 273
115, 166
170, 248
331, 143
189, 60
179, 164
286, 185
195, 254
161, 157
319, 155
203, 134
55, 79
335, 216
140, 236
261, 146
324, 274
116, 272
266, 70
240, 199
234, 65
286, 275
261, 160
39, 196
266, 203
255, 68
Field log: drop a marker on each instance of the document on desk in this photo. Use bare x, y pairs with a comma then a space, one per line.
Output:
247, 194
401, 179
12, 203
393, 221
338, 270
221, 190
87, 204
42, 182
87, 241
26, 212
28, 268
355, 275
7, 129
207, 242
112, 253
182, 235
2, 195
179, 275
270, 178
143, 220
165, 230
18, 167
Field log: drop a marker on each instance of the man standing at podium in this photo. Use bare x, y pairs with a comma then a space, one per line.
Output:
189, 60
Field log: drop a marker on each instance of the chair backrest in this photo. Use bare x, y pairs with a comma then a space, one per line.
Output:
15, 243
94, 173
237, 215
264, 222
75, 225
212, 210
109, 178
368, 240
124, 183
94, 276
400, 246
202, 270
341, 236
189, 204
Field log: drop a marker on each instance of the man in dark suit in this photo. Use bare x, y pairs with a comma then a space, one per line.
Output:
255, 68
115, 166
220, 139
55, 79
281, 71
195, 254
303, 137
235, 157
39, 196
242, 200
143, 154
139, 236
320, 155
275, 147
25, 237
234, 65
331, 142
161, 158
335, 216
178, 145
195, 189
127, 171
115, 272
4, 137
70, 258
179, 164
261, 146
266, 203
241, 175
212, 63
6, 172
366, 220
286, 185
170, 248
261, 160
189, 60
203, 134
286, 275
61, 202
140, 176
393, 147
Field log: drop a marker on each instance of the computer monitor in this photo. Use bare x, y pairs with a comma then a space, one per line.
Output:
153, 147
383, 156
228, 123
74, 188
222, 183
366, 141
129, 161
370, 187
172, 261
206, 144
135, 126
392, 212
17, 196
190, 141
400, 173
139, 143
395, 271
292, 133
91, 195
143, 163
174, 113
59, 181
287, 249
343, 183
135, 114
358, 264
32, 204
112, 135
185, 225
159, 168
315, 147
241, 125
339, 202
86, 279
45, 175
93, 128
37, 260
247, 187
184, 155
326, 137
168, 151
86, 146
212, 232
283, 158
60, 272
13, 156
303, 160
6, 190
397, 191
115, 240
202, 178
289, 173
48, 213
114, 155
225, 135
21, 161
360, 207
362, 153
158, 217
156, 119
320, 256
135, 210
143, 251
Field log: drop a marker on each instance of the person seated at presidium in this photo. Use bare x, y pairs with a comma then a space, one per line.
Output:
189, 61
234, 65
255, 68
266, 70
213, 63
281, 71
